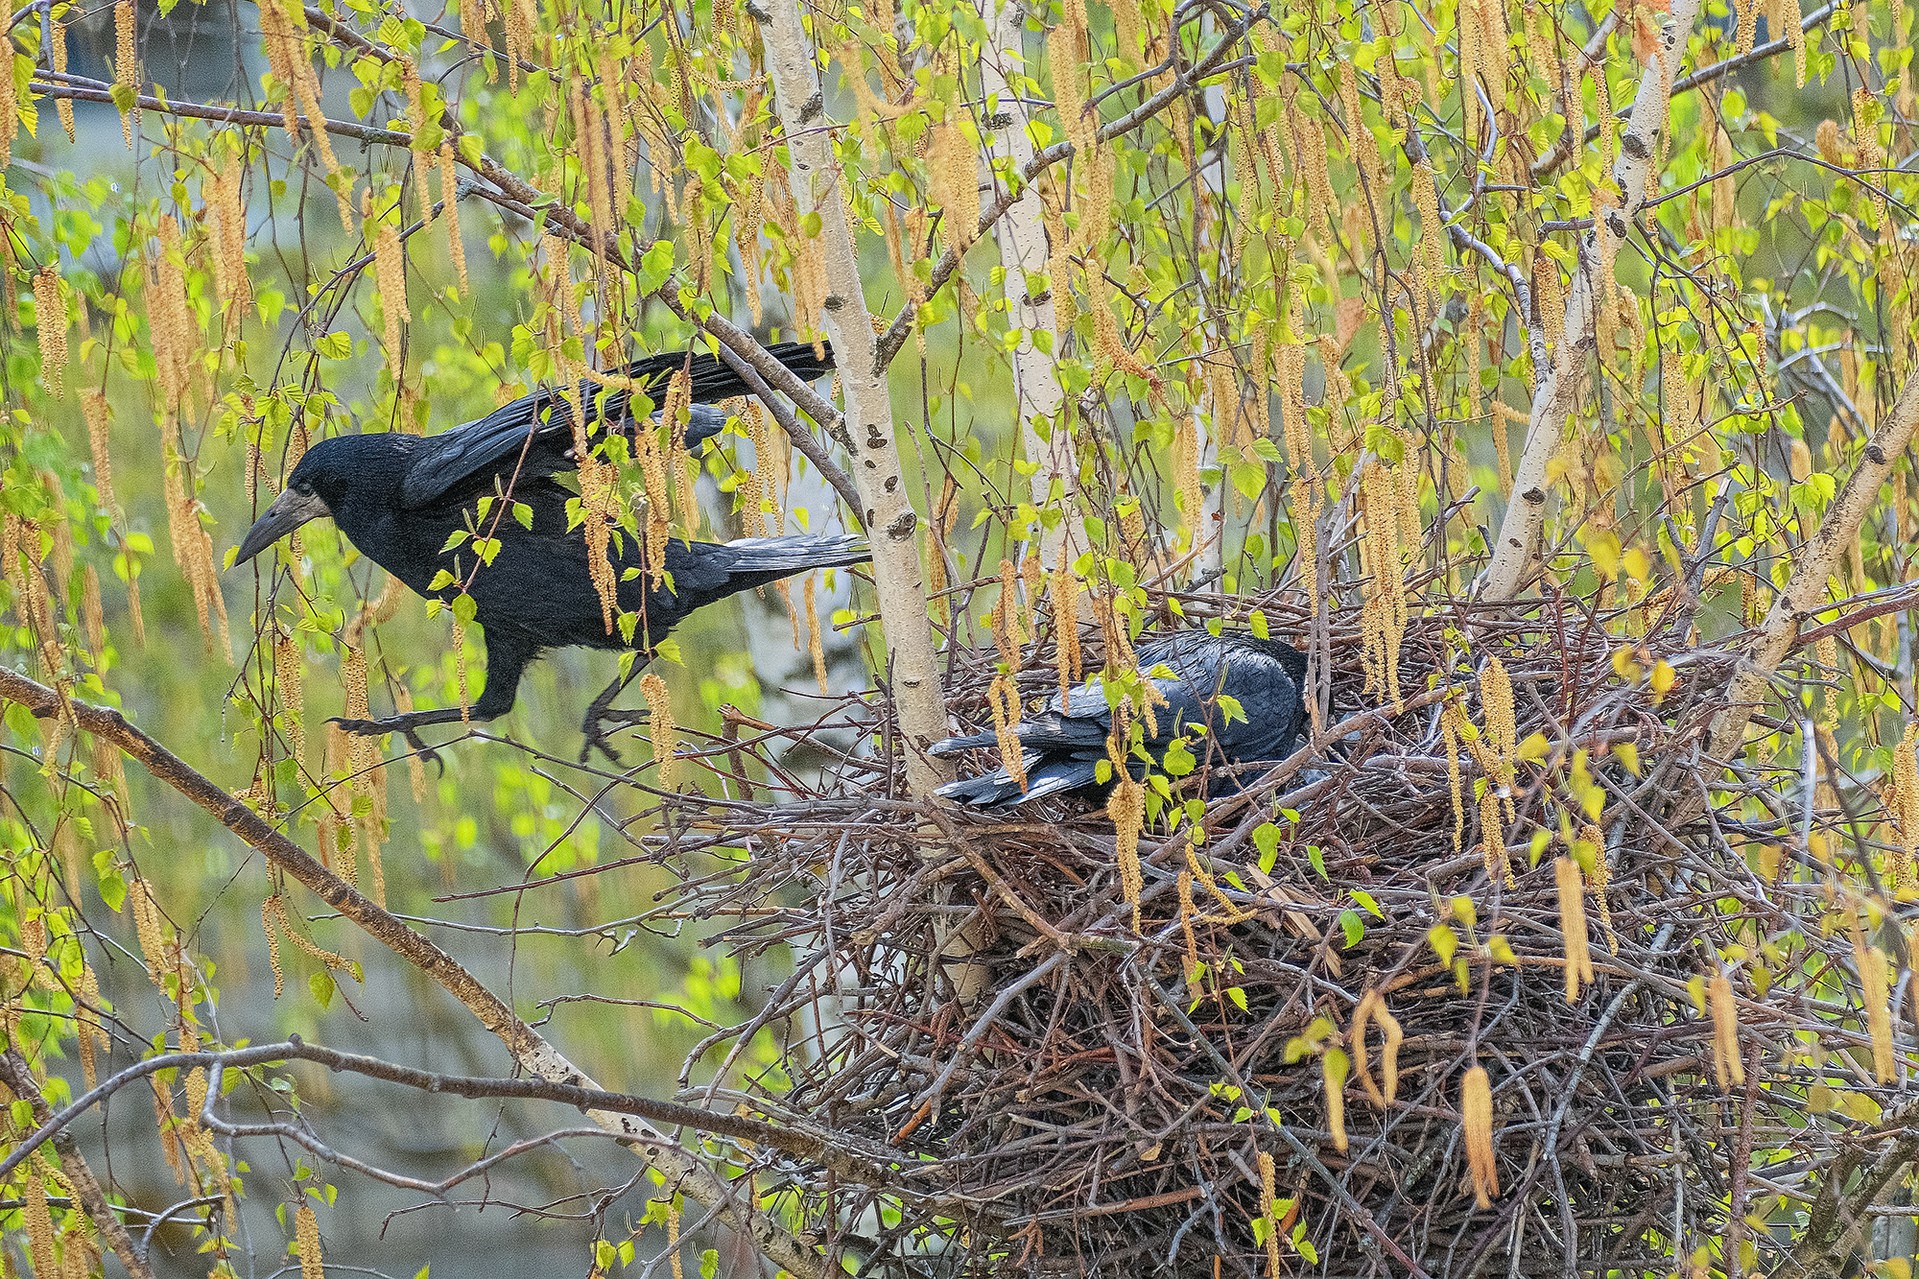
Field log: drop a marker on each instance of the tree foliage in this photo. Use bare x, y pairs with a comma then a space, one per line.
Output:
1352, 321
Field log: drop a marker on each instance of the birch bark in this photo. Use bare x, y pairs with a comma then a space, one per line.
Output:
1024, 251
1515, 545
866, 428
1805, 590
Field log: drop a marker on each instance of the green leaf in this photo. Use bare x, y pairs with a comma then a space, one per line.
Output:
1266, 838
321, 984
334, 346
1354, 928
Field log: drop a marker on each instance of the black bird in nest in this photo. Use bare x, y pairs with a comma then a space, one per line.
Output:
1231, 699
402, 499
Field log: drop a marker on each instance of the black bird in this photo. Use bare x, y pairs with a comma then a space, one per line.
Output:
1064, 744
401, 498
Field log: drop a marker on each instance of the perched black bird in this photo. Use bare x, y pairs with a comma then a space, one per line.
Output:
401, 498
1192, 670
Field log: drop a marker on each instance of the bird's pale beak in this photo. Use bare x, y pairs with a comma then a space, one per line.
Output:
289, 511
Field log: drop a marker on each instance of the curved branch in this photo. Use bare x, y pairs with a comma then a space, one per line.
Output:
529, 1048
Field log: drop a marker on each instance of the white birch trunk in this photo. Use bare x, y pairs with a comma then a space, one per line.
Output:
867, 428
1024, 250
1519, 532
1805, 591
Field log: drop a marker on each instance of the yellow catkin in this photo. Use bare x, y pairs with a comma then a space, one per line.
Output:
389, 268
1502, 725
1186, 486
1188, 911
1872, 156
1902, 803
1333, 1066
1595, 838
1063, 592
9, 102
450, 210
1492, 837
148, 928
1005, 612
952, 172
167, 1125
192, 544
1451, 718
1728, 1067
272, 911
1127, 807
473, 27
416, 123
673, 1226
288, 687
58, 55
659, 704
1268, 1197
1033, 581
226, 200
306, 1233
333, 962
37, 1218
815, 637
1875, 980
1476, 1108
1003, 696
1572, 925
519, 38
1430, 257
50, 323
90, 1012
126, 66
175, 333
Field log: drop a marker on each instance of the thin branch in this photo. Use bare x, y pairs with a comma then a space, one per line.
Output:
18, 1077
529, 1048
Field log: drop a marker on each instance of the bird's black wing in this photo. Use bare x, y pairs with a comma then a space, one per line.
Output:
534, 434
1194, 673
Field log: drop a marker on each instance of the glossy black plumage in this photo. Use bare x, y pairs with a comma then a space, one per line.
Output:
537, 593
1065, 743
498, 443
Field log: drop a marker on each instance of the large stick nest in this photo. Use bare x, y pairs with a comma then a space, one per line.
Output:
1058, 1093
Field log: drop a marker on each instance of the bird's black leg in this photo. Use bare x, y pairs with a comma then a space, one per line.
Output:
406, 726
505, 663
602, 711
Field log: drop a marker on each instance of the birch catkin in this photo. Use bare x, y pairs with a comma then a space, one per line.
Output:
1476, 1107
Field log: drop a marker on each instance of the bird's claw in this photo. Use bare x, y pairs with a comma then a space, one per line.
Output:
398, 724
596, 738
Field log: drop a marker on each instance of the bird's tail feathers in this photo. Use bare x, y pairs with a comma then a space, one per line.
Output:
713, 379
782, 555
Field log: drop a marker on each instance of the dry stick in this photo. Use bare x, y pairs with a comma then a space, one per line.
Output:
1024, 252
867, 432
1552, 404
1805, 592
529, 1048
18, 1077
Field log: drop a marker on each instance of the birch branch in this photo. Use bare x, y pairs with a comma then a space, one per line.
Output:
1024, 252
529, 1048
1519, 531
17, 1075
1805, 591
866, 431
